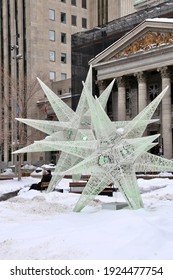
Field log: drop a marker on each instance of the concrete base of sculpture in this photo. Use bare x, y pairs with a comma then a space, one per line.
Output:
115, 205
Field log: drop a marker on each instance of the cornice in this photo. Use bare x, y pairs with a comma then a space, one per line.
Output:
141, 61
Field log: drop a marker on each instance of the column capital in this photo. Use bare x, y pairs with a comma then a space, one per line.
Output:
120, 81
141, 77
101, 84
164, 71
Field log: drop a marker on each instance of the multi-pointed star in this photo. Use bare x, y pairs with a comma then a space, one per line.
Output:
92, 144
115, 158
70, 126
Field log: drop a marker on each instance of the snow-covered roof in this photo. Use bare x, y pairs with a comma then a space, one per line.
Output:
160, 19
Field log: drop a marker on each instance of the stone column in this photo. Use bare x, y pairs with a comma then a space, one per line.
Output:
101, 85
166, 116
114, 105
121, 100
142, 91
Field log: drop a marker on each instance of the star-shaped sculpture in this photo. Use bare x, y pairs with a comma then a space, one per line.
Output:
116, 158
70, 126
92, 144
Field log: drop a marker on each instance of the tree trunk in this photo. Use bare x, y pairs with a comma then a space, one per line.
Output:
19, 166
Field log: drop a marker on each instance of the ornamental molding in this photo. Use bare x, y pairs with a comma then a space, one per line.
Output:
101, 85
141, 77
120, 81
151, 40
165, 72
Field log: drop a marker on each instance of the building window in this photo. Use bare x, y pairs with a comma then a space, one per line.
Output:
51, 14
74, 20
60, 91
63, 17
84, 23
63, 57
128, 101
73, 2
63, 38
153, 91
102, 12
52, 56
51, 35
52, 75
63, 76
84, 5
63, 1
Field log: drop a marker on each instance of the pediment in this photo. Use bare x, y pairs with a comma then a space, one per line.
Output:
150, 34
151, 40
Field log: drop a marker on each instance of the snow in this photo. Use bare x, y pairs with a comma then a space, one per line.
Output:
42, 226
7, 172
161, 19
28, 167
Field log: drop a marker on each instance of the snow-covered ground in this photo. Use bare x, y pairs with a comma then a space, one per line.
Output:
41, 226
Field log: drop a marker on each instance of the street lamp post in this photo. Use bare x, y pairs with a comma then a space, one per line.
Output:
17, 56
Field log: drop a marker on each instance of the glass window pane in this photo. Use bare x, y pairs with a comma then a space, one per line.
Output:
73, 2
63, 58
52, 56
63, 76
51, 35
73, 20
51, 14
84, 23
84, 5
63, 17
63, 38
52, 75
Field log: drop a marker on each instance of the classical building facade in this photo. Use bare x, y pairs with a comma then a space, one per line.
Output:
142, 64
86, 45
